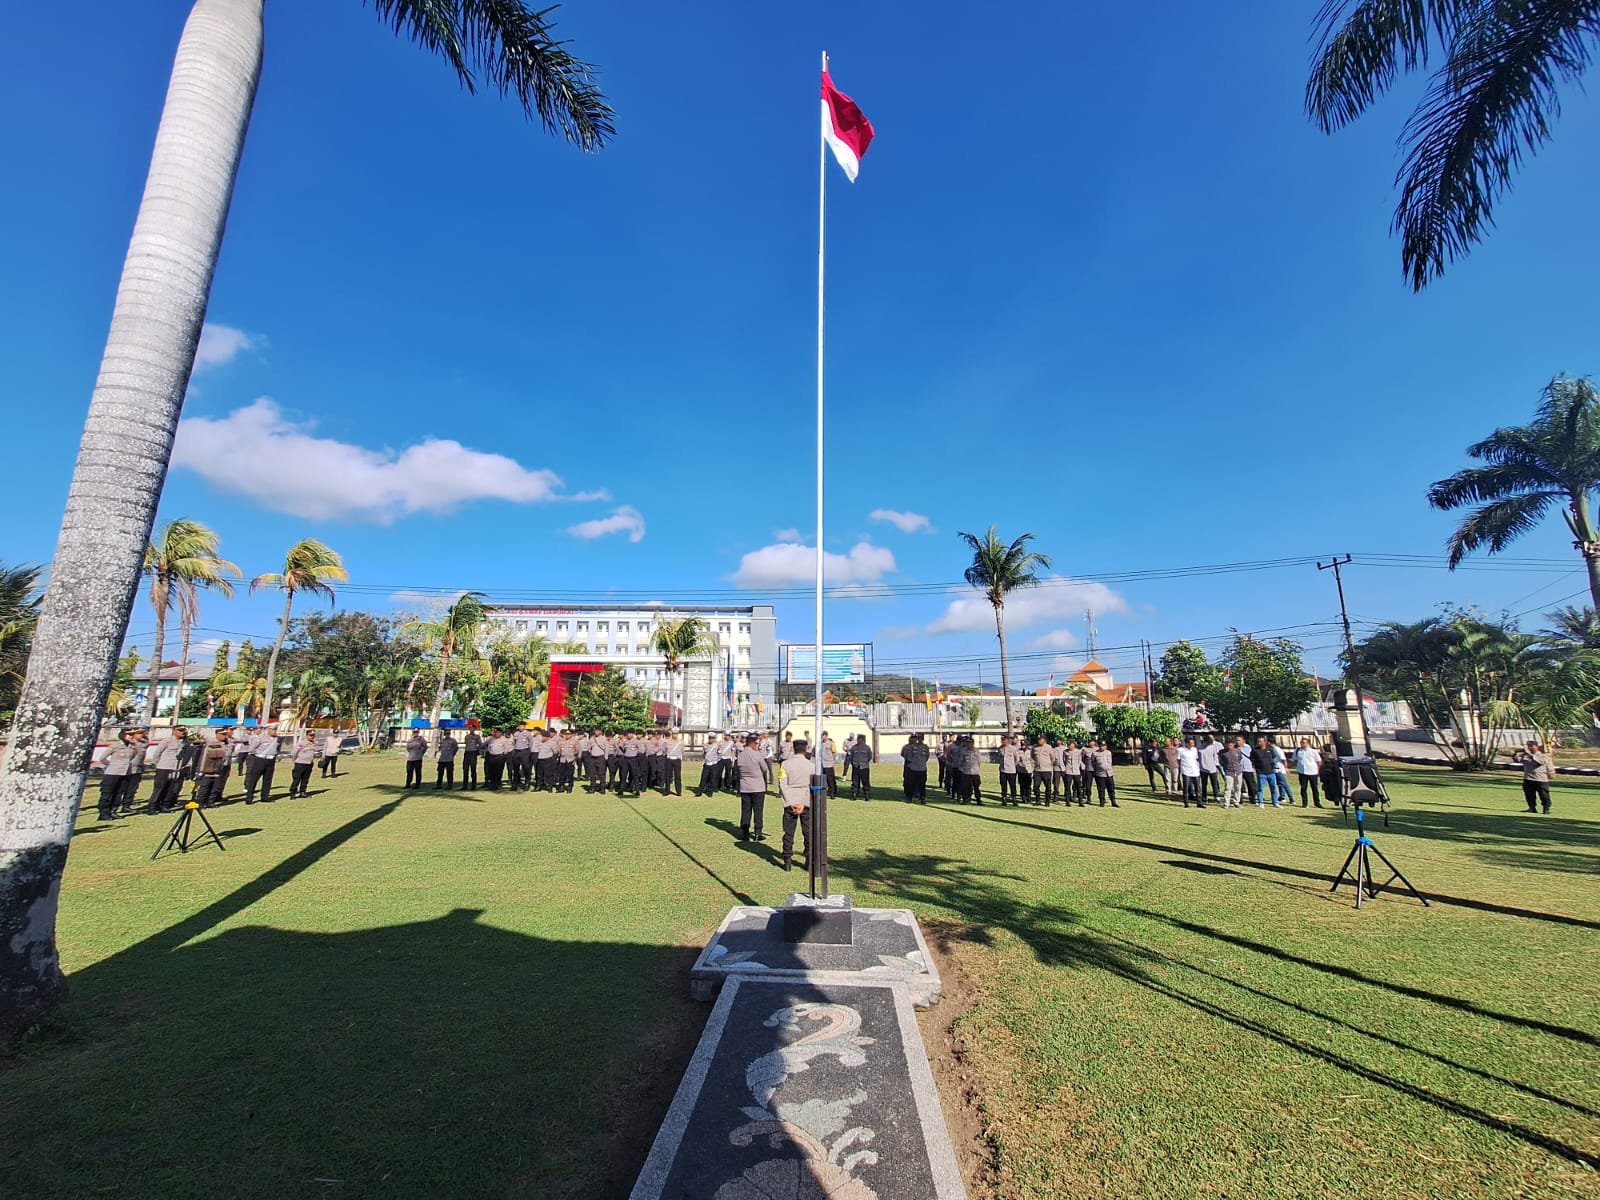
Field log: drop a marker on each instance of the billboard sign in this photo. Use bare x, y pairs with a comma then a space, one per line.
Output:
840, 664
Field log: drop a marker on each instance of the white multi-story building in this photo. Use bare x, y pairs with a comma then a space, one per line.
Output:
619, 636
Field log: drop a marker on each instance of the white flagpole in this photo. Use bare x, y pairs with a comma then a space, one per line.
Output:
819, 852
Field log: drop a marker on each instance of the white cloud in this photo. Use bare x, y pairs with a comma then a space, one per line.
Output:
905, 522
788, 563
220, 345
788, 535
258, 452
1056, 639
1057, 598
626, 519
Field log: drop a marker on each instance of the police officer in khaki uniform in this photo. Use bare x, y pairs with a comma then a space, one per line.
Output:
118, 771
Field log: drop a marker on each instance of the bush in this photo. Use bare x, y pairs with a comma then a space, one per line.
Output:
1120, 724
1042, 722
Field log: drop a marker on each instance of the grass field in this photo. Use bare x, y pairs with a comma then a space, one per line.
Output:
374, 993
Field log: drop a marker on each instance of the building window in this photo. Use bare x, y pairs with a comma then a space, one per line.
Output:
522, 627
724, 627
602, 626
583, 627
542, 627
744, 628
622, 627
561, 627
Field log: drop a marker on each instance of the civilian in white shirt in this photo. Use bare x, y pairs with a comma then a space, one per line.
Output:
1189, 773
1308, 766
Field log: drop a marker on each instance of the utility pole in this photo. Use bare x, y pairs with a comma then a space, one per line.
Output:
1349, 643
1144, 659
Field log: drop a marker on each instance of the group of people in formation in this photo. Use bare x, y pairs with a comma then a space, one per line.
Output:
799, 775
1048, 769
1231, 771
207, 761
547, 760
719, 770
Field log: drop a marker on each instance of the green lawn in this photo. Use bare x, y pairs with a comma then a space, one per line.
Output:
478, 995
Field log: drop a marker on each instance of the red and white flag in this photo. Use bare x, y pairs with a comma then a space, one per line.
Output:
844, 127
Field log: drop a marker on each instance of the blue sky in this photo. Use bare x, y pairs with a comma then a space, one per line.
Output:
1099, 279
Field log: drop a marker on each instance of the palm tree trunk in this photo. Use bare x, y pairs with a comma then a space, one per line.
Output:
155, 664
183, 662
438, 694
116, 484
268, 712
1005, 674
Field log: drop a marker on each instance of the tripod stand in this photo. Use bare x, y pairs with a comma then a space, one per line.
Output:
1362, 876
180, 833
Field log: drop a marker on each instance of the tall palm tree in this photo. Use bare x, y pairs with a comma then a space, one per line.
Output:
310, 566
678, 638
181, 561
1492, 101
244, 691
1574, 627
133, 413
1530, 468
314, 691
19, 613
997, 570
457, 626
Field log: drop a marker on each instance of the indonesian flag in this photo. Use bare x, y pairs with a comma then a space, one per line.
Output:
844, 127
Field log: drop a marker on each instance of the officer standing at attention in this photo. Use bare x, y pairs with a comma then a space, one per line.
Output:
672, 756
1105, 775
861, 760
213, 767
915, 756
795, 792
117, 769
754, 775
494, 758
1008, 770
1044, 771
596, 761
545, 771
710, 768
302, 759
168, 756
470, 749
259, 766
444, 758
829, 762
568, 756
416, 747
1024, 773
520, 760
330, 754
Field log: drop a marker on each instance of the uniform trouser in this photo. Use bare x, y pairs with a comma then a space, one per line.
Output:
802, 821
917, 785
672, 781
861, 783
164, 795
1082, 789
544, 777
1024, 782
330, 765
1105, 787
110, 789
944, 775
595, 771
658, 770
1209, 781
1044, 785
469, 769
444, 773
569, 773
1008, 785
1233, 790
1310, 784
973, 786
258, 773
830, 780
751, 810
708, 779
206, 791
1537, 793
632, 771
614, 771
299, 779
413, 772
494, 767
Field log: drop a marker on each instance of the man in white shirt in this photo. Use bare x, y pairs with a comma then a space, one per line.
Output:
1210, 767
1308, 766
1189, 773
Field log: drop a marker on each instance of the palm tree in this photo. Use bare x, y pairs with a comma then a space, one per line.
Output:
310, 566
1492, 101
19, 613
459, 625
1553, 461
678, 638
244, 691
138, 397
1574, 627
997, 570
314, 691
182, 560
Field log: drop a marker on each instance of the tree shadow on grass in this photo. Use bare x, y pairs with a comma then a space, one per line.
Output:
1058, 938
1508, 910
1474, 826
434, 1058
